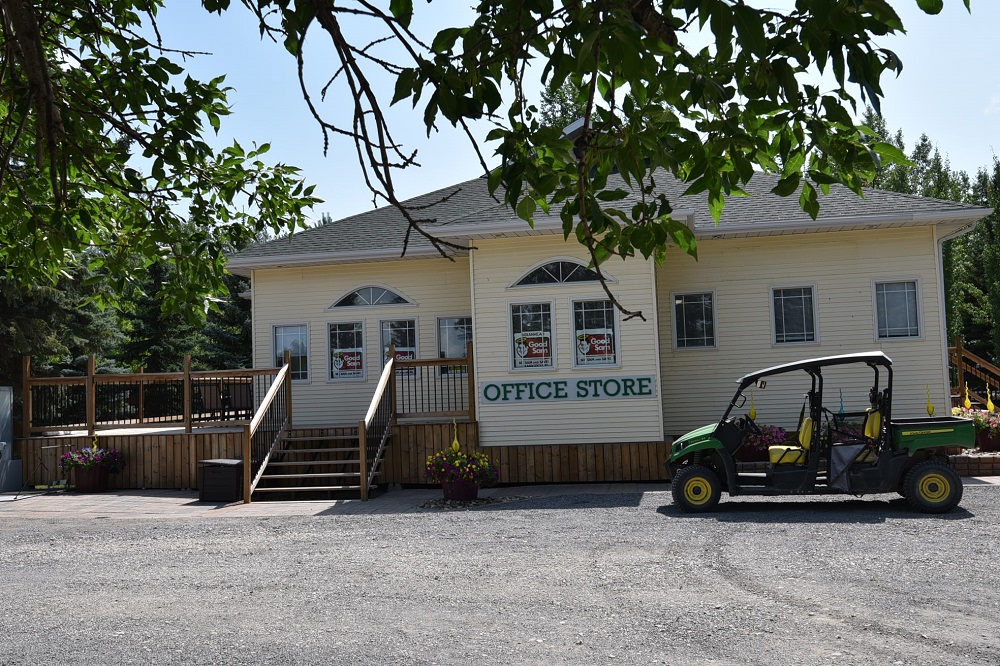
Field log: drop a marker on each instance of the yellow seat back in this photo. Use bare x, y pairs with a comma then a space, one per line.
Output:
873, 424
806, 433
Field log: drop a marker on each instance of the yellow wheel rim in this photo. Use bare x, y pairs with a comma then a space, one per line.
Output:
697, 490
934, 487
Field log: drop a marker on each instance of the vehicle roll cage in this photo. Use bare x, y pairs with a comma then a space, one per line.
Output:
879, 400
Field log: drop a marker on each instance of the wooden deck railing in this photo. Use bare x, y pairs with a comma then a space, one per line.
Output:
436, 388
142, 400
269, 424
374, 430
975, 374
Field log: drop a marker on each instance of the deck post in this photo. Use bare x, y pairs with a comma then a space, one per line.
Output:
363, 458
187, 393
470, 380
91, 389
960, 365
247, 464
288, 388
26, 396
142, 398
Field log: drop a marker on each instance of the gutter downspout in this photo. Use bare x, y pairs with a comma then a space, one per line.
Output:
942, 314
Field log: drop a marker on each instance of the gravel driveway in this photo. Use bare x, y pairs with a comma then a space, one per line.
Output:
577, 579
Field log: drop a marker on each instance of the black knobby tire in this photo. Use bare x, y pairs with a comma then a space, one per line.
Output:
933, 487
696, 489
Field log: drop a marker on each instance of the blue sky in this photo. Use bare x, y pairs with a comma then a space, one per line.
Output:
949, 90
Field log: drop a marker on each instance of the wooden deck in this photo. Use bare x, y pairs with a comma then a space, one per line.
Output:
154, 459
169, 458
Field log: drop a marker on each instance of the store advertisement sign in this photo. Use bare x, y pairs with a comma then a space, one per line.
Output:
595, 347
348, 364
553, 390
532, 351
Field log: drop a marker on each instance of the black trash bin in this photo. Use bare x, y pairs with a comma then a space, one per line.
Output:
220, 480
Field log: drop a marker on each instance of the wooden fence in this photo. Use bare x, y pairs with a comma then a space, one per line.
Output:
142, 400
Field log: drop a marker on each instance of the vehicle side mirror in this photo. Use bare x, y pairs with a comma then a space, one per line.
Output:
760, 383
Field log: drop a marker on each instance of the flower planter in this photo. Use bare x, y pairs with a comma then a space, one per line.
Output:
460, 491
92, 480
987, 442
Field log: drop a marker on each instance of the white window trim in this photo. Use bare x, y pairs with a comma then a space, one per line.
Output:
437, 335
416, 339
815, 303
715, 318
330, 379
920, 310
552, 335
572, 260
616, 333
348, 308
274, 349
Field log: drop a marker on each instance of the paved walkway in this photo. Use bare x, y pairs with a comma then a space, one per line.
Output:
133, 504
184, 503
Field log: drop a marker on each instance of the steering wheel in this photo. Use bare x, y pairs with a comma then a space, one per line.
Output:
747, 424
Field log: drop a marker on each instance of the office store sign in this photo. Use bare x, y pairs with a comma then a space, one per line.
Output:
558, 390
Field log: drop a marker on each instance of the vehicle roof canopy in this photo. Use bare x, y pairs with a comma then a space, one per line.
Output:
871, 358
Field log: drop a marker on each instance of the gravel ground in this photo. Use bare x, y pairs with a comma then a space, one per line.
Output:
579, 579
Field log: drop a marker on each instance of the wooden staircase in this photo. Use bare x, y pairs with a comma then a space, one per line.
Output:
315, 462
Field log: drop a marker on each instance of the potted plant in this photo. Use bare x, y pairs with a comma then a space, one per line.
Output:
987, 427
461, 475
92, 467
755, 444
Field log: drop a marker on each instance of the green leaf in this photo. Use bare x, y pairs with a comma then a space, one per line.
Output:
933, 6
788, 185
750, 29
402, 10
526, 208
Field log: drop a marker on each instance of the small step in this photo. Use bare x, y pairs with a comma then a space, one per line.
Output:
296, 489
304, 463
332, 450
307, 476
320, 438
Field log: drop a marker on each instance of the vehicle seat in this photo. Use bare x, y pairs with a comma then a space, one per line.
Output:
789, 453
873, 424
872, 430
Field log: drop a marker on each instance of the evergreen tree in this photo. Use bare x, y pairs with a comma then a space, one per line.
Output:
228, 343
561, 105
156, 340
57, 326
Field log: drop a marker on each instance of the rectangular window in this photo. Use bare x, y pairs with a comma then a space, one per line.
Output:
594, 333
403, 334
294, 339
794, 315
531, 335
347, 351
694, 320
454, 335
896, 310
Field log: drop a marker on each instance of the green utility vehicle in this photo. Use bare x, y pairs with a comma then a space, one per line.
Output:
832, 450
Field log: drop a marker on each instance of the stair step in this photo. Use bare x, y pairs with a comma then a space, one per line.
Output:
308, 476
303, 463
304, 489
331, 450
320, 438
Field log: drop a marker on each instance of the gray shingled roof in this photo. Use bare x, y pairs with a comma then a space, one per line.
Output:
466, 209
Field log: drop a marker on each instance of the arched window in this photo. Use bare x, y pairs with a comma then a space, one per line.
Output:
371, 296
558, 272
